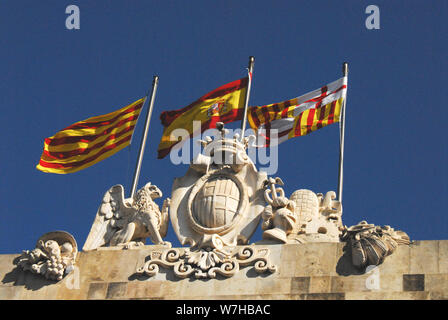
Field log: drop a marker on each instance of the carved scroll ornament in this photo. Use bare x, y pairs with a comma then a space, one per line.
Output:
208, 262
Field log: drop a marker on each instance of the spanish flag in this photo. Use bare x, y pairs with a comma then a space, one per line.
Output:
299, 116
224, 104
87, 142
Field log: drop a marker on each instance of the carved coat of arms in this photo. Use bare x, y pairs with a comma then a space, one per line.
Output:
214, 207
221, 194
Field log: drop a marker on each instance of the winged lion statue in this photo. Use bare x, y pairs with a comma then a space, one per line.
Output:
128, 222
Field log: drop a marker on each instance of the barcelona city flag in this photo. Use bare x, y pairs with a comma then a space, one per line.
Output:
224, 104
87, 142
299, 116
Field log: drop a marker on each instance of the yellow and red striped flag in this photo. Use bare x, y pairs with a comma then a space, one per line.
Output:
299, 116
87, 142
224, 104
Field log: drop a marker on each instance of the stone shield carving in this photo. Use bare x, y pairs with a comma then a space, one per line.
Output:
216, 203
218, 198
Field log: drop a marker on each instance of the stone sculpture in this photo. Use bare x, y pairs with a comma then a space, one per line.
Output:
278, 216
310, 217
304, 217
128, 222
318, 217
221, 194
53, 257
371, 244
216, 206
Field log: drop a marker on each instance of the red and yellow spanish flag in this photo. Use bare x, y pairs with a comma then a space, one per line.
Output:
299, 116
224, 104
87, 142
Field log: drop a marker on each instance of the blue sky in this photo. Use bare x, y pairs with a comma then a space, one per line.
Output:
396, 139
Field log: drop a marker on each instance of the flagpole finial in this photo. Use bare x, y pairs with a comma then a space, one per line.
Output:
250, 67
220, 126
155, 79
345, 69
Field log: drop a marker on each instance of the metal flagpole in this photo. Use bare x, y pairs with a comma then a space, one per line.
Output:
246, 102
342, 133
145, 133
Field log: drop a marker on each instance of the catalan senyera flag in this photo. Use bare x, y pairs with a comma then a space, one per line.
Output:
299, 116
224, 104
87, 142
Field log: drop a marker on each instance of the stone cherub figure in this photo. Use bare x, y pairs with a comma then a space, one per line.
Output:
128, 222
